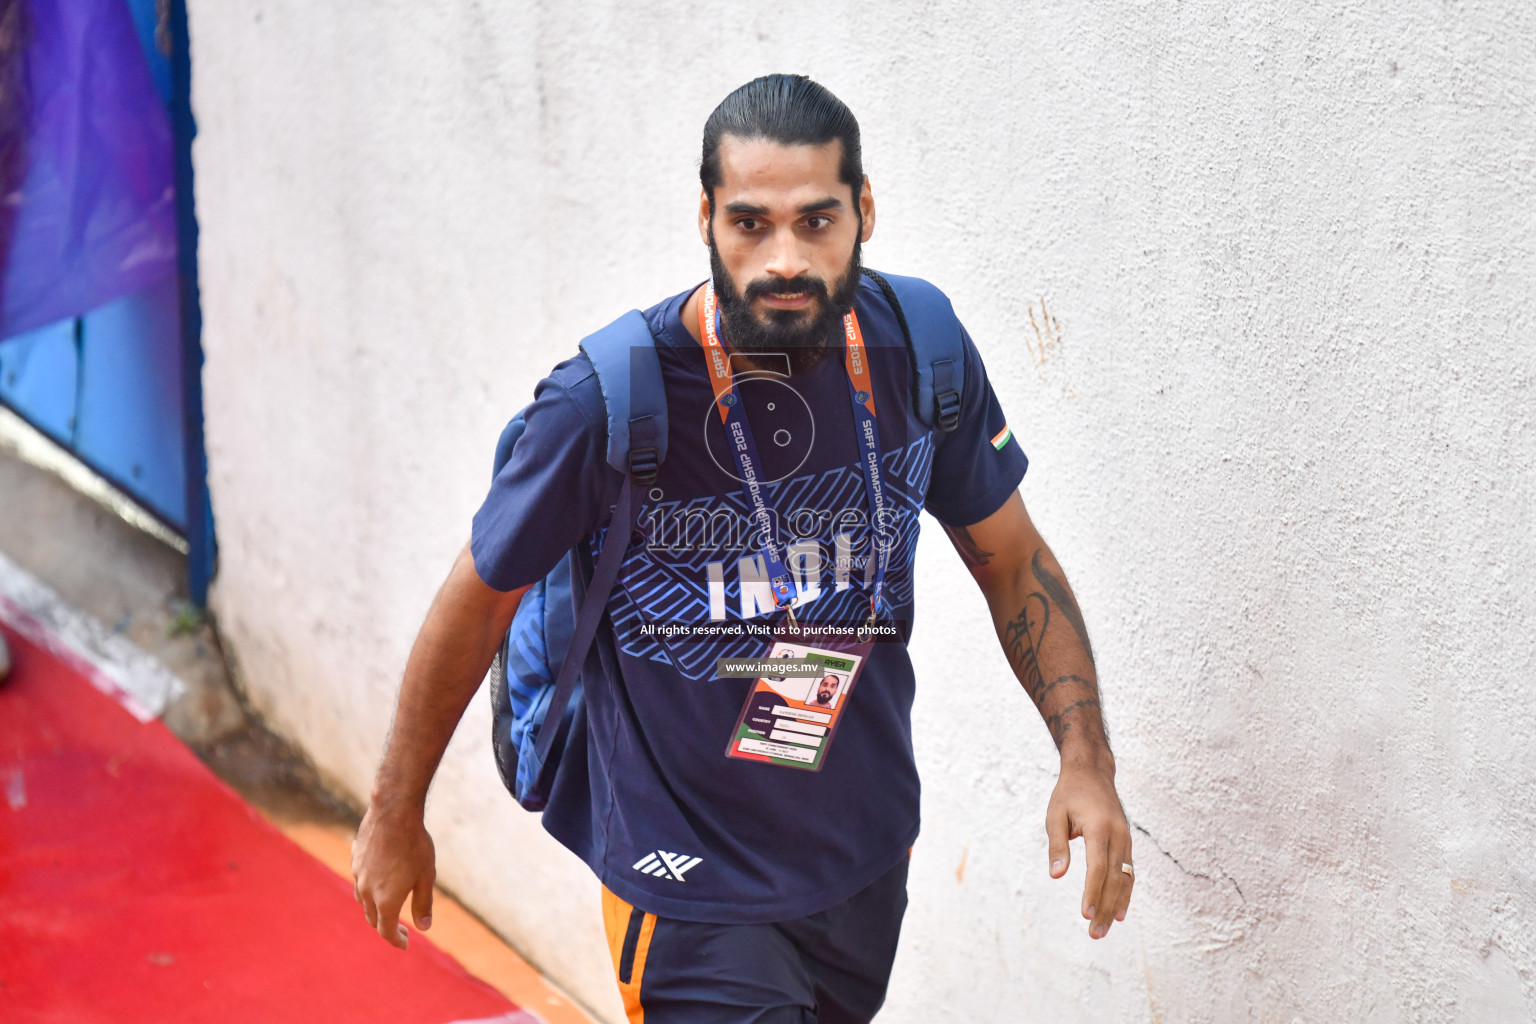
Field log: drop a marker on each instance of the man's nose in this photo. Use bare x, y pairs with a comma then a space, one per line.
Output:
785, 258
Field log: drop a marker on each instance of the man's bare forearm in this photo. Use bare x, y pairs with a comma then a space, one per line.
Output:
460, 636
1043, 634
1046, 642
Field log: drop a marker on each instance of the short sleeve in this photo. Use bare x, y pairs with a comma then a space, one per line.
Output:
555, 487
978, 464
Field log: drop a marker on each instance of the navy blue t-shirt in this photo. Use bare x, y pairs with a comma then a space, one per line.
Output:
648, 782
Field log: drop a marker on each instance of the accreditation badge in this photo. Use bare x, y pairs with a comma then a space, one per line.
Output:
791, 719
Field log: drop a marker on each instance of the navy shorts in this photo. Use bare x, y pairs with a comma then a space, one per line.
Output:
829, 968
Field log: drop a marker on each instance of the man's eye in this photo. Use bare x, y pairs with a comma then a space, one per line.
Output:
747, 224
817, 222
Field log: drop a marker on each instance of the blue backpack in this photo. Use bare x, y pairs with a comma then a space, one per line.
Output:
536, 678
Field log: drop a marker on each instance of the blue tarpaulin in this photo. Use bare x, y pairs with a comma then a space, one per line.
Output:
94, 219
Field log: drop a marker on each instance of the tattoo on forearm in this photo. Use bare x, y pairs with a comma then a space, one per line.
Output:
971, 553
1021, 643
1058, 723
1024, 638
1057, 591
1087, 684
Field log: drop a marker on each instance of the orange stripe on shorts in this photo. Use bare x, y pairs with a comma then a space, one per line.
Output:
616, 919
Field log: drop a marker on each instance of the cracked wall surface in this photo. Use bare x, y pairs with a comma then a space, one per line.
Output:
1254, 284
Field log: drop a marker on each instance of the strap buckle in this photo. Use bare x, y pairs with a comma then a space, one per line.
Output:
947, 406
643, 464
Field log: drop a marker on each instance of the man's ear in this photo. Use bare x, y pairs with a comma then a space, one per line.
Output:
704, 217
867, 210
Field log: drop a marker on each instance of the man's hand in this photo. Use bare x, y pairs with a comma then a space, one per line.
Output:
392, 857
1084, 804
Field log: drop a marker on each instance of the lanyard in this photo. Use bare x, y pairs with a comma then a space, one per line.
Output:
861, 397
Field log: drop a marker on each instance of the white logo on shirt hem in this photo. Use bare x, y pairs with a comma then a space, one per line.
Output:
662, 864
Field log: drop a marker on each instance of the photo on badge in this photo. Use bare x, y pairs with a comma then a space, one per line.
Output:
825, 692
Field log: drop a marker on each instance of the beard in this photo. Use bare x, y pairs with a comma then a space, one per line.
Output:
802, 336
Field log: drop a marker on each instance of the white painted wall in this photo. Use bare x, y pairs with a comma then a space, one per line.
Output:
1280, 421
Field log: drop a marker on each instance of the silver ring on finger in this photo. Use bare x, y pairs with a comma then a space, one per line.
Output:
1126, 868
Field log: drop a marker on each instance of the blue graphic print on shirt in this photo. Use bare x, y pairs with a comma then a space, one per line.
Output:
676, 576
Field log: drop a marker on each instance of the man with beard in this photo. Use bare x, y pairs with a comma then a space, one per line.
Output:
826, 690
737, 889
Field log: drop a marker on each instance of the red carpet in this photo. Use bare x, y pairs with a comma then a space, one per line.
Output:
135, 886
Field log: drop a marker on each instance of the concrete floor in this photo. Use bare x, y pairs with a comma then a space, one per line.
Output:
108, 562
123, 577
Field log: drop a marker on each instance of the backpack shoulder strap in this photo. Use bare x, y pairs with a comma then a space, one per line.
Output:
938, 349
623, 354
593, 603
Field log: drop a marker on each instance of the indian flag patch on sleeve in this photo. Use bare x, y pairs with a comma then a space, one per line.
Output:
1002, 437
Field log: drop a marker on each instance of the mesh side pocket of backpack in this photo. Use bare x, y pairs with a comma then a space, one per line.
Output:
521, 686
501, 741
